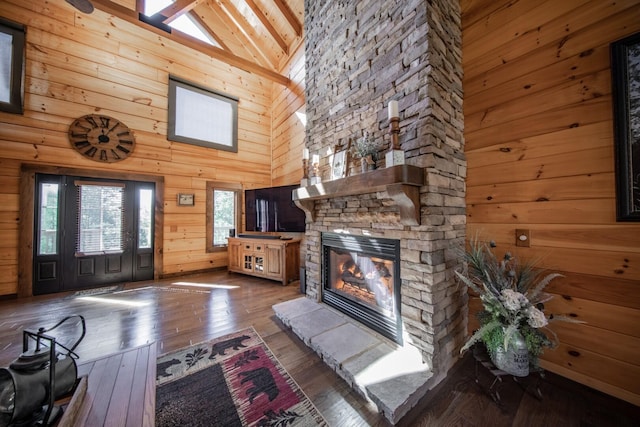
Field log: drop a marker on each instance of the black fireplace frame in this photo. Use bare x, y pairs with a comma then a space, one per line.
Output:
369, 246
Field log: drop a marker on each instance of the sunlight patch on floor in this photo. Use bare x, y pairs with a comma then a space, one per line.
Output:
205, 285
114, 301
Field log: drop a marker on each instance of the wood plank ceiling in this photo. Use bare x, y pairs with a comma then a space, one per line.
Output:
255, 35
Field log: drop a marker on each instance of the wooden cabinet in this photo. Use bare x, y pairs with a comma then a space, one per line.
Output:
273, 259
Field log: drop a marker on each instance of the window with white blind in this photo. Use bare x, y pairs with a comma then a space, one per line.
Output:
202, 116
100, 218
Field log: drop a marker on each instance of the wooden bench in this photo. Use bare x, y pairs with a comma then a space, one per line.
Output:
115, 390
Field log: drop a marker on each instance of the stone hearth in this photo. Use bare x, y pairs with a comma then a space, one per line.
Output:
393, 377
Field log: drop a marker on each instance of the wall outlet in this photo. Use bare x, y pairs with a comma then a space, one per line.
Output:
523, 238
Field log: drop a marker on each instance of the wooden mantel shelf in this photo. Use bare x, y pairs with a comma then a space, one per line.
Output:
401, 182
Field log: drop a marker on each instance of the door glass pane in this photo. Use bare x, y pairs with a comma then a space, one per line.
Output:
224, 215
145, 210
48, 232
100, 218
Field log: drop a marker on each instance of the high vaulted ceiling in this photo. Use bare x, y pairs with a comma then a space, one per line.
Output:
254, 35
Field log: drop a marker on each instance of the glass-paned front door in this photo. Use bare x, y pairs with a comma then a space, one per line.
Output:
91, 232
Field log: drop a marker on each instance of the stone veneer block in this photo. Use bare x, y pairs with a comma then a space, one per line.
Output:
294, 308
395, 379
396, 395
356, 370
315, 323
339, 344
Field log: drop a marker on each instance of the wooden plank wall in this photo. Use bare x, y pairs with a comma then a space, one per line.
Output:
288, 122
79, 64
539, 144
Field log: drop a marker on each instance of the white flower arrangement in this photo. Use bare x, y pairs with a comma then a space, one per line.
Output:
512, 300
365, 146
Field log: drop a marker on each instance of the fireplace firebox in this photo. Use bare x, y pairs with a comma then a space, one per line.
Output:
362, 279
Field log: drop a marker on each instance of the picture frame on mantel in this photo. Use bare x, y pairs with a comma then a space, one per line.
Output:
625, 76
340, 163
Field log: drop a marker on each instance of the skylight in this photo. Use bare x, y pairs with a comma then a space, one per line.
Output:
184, 23
154, 6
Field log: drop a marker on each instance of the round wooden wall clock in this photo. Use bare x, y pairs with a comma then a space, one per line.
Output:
101, 138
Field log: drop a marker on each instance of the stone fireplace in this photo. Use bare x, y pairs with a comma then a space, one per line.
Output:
359, 56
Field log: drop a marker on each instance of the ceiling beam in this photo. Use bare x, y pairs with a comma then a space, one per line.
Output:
289, 16
131, 16
251, 36
177, 9
208, 29
247, 43
265, 21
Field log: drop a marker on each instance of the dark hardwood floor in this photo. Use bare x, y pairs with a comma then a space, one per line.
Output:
180, 311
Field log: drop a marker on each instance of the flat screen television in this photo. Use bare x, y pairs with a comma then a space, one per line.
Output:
272, 210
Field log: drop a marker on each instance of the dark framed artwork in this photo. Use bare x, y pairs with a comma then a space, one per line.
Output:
625, 74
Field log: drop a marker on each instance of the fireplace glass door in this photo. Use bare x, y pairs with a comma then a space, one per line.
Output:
361, 279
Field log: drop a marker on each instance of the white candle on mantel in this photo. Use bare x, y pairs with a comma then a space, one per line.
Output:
305, 154
393, 109
316, 159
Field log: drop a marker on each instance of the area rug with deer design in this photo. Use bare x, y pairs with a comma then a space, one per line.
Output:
232, 380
